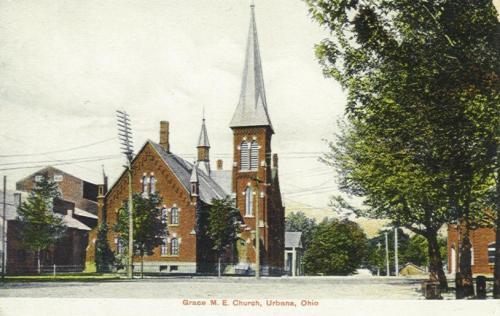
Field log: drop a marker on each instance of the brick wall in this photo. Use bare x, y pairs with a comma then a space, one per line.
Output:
173, 194
480, 239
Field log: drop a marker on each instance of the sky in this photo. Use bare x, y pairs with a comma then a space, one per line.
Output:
67, 66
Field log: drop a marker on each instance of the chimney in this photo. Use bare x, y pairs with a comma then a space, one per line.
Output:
164, 133
275, 160
219, 164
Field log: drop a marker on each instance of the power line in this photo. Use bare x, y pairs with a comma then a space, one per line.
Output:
61, 150
55, 160
60, 164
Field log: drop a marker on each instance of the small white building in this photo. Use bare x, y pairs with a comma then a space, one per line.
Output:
293, 253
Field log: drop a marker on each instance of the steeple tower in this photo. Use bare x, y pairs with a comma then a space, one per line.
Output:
252, 105
204, 149
255, 189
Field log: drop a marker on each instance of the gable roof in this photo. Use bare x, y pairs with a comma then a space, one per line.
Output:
208, 188
293, 240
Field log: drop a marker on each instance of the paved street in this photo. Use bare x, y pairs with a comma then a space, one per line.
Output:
228, 287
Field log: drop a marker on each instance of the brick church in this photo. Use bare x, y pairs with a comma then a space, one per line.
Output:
188, 189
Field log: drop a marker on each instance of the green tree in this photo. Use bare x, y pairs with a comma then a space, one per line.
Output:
394, 186
223, 226
422, 79
149, 228
299, 222
104, 256
337, 248
40, 227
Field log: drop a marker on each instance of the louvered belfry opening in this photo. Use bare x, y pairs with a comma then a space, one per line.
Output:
244, 156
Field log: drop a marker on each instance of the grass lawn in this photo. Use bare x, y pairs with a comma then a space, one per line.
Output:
70, 277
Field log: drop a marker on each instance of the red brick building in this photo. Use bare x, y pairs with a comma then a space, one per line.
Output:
482, 251
188, 189
77, 207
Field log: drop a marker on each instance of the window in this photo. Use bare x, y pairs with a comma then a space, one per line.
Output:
164, 247
163, 215
249, 201
174, 247
152, 187
58, 177
38, 178
244, 156
491, 253
120, 247
471, 256
145, 183
174, 216
254, 155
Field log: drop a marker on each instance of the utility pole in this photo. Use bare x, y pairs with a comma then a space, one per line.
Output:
396, 263
4, 222
387, 254
378, 254
125, 135
257, 228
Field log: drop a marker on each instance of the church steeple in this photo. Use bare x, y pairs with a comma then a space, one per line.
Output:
252, 105
204, 149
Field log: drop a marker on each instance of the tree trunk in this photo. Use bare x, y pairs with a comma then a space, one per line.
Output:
142, 265
218, 268
465, 282
435, 261
38, 261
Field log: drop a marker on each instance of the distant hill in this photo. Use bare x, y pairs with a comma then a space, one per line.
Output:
370, 226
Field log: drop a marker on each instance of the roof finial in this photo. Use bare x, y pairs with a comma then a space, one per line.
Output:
203, 113
252, 4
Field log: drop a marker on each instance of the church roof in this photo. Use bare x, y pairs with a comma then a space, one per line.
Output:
252, 105
208, 188
203, 139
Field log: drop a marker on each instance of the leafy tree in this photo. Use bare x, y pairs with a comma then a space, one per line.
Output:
149, 228
299, 222
40, 227
422, 81
393, 185
337, 248
104, 256
223, 226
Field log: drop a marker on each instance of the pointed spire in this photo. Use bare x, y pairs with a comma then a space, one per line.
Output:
203, 139
252, 106
194, 173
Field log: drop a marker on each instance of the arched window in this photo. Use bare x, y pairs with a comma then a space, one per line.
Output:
164, 246
244, 156
491, 253
163, 215
174, 216
254, 155
174, 247
249, 201
145, 184
152, 186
